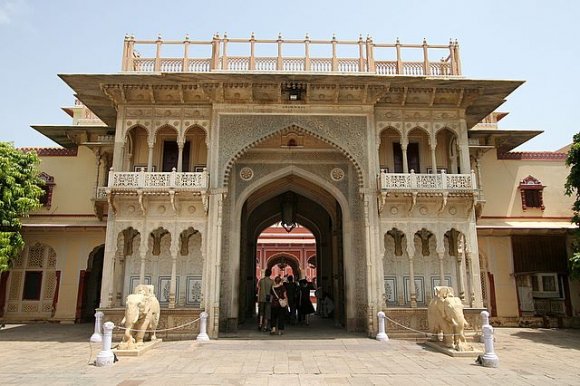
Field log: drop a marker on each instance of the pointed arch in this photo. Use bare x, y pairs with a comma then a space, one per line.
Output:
294, 128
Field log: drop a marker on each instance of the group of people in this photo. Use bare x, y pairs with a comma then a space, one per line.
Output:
280, 299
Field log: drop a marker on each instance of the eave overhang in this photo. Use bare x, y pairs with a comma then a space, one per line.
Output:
503, 140
477, 97
69, 136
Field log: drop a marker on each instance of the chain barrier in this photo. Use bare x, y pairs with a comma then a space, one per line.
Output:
162, 330
427, 334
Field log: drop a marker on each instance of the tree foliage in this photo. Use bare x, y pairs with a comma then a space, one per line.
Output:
20, 192
573, 189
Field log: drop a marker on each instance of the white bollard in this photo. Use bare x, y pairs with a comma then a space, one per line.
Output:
489, 359
202, 337
106, 357
382, 335
97, 336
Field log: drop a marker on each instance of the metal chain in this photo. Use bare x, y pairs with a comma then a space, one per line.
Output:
427, 334
165, 329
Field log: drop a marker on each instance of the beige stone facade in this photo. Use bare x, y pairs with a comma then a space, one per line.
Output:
396, 167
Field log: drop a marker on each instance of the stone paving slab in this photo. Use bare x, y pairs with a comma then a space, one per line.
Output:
41, 354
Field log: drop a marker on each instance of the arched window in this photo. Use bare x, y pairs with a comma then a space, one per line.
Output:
532, 191
46, 198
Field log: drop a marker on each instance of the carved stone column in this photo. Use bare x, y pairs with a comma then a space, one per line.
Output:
180, 146
120, 260
441, 256
411, 253
150, 157
479, 180
433, 158
173, 283
143, 254
98, 169
470, 277
460, 267
108, 262
404, 151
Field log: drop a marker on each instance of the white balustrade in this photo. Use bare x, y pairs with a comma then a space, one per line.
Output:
101, 193
293, 64
172, 65
427, 182
157, 180
348, 65
266, 64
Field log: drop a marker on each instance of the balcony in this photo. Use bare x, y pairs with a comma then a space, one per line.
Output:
158, 181
150, 183
414, 184
428, 183
364, 56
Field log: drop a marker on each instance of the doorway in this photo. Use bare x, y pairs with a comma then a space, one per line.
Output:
90, 285
313, 209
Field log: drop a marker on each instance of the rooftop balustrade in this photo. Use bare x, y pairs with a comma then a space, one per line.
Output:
369, 57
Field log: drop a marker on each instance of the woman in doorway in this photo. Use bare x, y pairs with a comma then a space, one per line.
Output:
305, 307
279, 306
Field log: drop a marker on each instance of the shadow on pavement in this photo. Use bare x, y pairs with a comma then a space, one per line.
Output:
318, 329
46, 332
563, 338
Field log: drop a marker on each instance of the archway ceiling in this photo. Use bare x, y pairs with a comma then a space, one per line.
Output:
297, 185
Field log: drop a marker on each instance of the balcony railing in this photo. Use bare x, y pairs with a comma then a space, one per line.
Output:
192, 181
375, 58
415, 182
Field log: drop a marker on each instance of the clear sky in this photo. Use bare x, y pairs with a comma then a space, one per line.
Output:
535, 41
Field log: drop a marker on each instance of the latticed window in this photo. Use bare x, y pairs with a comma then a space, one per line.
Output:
532, 190
33, 281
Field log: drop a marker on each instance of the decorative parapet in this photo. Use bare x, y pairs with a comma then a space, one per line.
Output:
101, 193
376, 58
533, 155
52, 151
158, 180
415, 182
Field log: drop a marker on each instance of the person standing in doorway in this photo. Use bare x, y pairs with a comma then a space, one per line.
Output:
293, 294
305, 307
279, 306
265, 300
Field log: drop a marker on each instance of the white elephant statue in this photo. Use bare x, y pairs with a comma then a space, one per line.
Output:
141, 313
445, 315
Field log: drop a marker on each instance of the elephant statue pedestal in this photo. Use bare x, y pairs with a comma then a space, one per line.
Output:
446, 318
141, 317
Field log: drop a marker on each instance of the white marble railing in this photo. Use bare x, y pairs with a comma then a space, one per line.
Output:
158, 180
101, 193
427, 182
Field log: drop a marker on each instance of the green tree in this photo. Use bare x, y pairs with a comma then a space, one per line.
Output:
573, 189
20, 192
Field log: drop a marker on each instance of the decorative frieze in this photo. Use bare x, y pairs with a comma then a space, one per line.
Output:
346, 133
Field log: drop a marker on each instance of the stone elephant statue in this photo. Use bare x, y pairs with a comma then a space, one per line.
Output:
141, 313
445, 315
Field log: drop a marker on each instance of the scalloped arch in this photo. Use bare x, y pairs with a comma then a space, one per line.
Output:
391, 127
452, 130
134, 126
299, 129
420, 128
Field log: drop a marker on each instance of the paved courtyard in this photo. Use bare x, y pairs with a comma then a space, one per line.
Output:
51, 354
